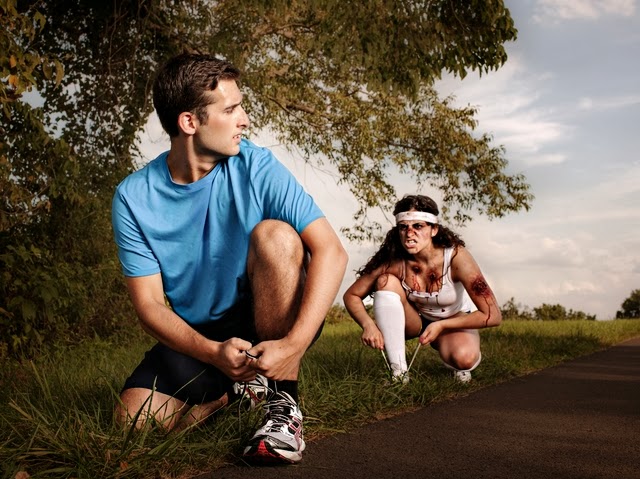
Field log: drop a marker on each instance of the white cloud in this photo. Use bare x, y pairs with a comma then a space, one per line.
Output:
579, 254
538, 160
608, 103
626, 184
555, 11
508, 107
585, 103
560, 252
526, 133
575, 287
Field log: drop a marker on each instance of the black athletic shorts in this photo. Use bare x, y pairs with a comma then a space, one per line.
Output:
426, 322
191, 381
187, 379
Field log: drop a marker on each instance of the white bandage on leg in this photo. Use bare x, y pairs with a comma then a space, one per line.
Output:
389, 315
477, 363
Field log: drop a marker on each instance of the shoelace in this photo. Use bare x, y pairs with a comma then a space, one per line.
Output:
245, 386
278, 412
415, 353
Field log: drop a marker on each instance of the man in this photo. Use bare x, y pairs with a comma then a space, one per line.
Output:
229, 263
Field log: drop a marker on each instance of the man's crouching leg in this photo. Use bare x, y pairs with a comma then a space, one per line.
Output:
153, 408
276, 268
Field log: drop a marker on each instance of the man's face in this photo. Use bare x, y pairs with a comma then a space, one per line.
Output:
220, 135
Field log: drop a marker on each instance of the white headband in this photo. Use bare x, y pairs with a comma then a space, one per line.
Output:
416, 215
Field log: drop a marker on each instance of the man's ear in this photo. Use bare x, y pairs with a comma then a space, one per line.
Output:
187, 122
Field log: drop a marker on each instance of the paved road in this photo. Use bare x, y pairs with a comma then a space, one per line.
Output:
579, 420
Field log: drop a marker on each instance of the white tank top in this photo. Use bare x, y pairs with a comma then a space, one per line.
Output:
450, 300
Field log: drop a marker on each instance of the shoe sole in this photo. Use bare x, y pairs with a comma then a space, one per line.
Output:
265, 453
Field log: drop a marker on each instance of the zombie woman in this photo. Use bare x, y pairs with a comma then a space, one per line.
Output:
424, 284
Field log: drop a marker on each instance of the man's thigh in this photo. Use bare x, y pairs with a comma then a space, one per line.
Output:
178, 375
185, 378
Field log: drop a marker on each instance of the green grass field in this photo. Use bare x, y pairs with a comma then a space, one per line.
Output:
56, 414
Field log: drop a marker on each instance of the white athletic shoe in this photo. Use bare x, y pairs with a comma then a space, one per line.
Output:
462, 376
256, 391
280, 439
399, 376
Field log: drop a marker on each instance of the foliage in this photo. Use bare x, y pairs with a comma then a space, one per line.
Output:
544, 312
58, 168
547, 312
354, 88
630, 306
513, 310
23, 65
349, 87
337, 314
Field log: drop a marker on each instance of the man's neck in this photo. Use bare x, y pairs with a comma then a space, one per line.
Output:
186, 167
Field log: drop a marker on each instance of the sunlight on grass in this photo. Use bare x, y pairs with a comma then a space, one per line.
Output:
57, 421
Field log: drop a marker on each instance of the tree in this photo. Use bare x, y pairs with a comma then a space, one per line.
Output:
350, 87
557, 312
513, 310
23, 66
354, 87
630, 306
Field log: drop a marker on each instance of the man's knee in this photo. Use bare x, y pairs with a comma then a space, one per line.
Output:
147, 407
276, 239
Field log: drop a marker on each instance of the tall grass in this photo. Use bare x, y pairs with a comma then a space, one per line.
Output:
56, 413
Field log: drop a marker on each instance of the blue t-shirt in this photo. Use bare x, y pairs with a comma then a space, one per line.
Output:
197, 235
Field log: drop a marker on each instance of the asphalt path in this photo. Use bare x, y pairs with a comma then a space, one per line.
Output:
578, 420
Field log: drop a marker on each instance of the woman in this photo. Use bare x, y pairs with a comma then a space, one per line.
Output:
419, 278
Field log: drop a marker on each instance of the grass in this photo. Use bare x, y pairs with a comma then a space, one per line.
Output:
56, 412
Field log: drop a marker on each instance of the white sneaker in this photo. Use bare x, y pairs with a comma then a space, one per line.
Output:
399, 376
462, 376
255, 390
280, 439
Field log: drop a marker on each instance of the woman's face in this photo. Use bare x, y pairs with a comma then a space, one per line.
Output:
415, 235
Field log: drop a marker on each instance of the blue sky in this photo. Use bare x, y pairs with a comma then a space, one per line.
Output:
566, 106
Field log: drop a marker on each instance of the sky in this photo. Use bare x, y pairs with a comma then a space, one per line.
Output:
566, 107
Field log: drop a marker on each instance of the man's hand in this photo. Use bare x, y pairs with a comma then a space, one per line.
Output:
278, 360
232, 360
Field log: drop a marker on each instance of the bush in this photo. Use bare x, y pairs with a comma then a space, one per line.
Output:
545, 312
337, 314
630, 306
45, 300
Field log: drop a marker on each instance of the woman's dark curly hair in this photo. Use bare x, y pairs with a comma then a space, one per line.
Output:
392, 248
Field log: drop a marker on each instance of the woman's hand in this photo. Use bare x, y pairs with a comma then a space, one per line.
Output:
372, 337
431, 333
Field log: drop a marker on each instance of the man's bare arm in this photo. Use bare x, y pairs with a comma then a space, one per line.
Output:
324, 275
167, 327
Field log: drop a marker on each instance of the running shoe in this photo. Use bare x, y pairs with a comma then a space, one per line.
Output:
462, 376
400, 378
256, 390
280, 438
399, 375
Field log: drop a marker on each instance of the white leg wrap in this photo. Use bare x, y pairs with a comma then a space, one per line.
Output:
389, 316
477, 363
